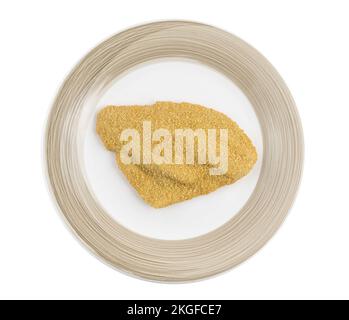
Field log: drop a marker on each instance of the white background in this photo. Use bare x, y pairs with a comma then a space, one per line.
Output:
307, 41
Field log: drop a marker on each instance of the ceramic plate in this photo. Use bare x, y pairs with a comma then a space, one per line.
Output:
177, 61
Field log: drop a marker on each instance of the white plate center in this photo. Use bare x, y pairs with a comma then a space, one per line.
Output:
178, 81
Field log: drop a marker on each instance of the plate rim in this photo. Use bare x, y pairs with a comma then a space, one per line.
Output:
166, 274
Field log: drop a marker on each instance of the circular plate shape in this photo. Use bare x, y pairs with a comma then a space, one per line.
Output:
247, 231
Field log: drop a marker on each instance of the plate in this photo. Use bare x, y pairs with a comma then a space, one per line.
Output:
225, 240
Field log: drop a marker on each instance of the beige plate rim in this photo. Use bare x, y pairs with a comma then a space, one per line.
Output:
243, 235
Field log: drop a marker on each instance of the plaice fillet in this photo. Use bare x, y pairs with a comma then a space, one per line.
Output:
165, 184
